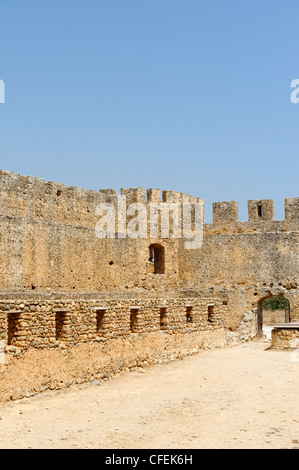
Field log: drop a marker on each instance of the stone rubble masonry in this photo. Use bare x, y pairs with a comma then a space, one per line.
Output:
51, 259
285, 338
48, 323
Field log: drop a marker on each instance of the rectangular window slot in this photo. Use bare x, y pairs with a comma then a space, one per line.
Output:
100, 314
189, 315
211, 312
60, 324
133, 319
13, 320
163, 318
156, 259
260, 210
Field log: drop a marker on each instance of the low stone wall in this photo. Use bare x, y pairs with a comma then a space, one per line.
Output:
285, 338
46, 323
51, 344
54, 342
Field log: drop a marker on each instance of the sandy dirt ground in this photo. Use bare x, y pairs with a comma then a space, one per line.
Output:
230, 398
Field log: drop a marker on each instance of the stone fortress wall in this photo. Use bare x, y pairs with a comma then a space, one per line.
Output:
48, 241
245, 262
51, 259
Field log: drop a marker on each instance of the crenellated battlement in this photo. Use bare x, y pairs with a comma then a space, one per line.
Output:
225, 212
292, 209
260, 211
35, 198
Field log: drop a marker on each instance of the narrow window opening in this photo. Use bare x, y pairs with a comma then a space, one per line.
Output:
60, 325
189, 316
156, 259
260, 210
211, 313
13, 320
100, 315
133, 319
163, 318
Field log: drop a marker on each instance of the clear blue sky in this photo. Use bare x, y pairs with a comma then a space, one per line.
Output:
187, 95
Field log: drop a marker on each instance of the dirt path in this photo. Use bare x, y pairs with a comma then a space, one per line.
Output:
241, 397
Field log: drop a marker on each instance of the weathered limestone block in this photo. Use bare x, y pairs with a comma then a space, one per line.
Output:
285, 337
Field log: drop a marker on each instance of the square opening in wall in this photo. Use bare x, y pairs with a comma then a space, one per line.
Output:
13, 320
